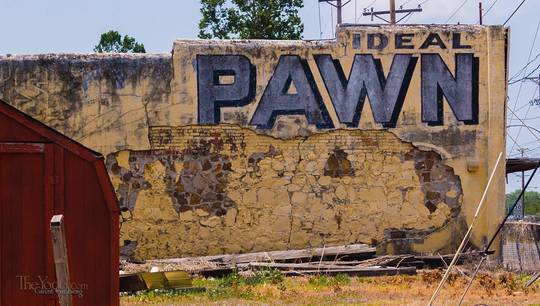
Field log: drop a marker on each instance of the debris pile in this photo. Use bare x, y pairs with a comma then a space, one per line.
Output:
356, 259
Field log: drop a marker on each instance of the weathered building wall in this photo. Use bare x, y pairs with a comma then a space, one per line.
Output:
237, 146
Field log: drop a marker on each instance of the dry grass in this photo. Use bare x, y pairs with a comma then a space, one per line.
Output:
272, 289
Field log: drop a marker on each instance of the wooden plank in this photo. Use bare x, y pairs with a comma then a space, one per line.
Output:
297, 266
22, 148
337, 262
349, 251
387, 260
533, 279
215, 272
60, 260
356, 271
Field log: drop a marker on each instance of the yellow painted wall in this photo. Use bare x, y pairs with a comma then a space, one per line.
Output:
189, 189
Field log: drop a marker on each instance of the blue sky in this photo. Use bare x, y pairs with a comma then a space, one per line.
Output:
74, 26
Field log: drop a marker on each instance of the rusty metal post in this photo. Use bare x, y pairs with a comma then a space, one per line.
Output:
60, 260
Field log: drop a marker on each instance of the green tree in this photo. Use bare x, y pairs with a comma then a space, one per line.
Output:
251, 19
112, 41
532, 202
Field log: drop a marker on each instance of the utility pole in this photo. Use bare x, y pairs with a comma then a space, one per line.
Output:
480, 12
519, 211
522, 212
338, 5
392, 12
338, 8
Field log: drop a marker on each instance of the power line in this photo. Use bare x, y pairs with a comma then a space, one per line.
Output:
320, 24
532, 118
332, 21
372, 2
526, 114
339, 6
392, 12
456, 11
489, 8
405, 3
366, 8
355, 10
512, 15
524, 67
525, 125
528, 59
525, 78
514, 142
520, 108
419, 4
519, 132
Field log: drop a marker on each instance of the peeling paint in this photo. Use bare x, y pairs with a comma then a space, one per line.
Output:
395, 171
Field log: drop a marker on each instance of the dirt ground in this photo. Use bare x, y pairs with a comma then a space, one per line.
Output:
271, 288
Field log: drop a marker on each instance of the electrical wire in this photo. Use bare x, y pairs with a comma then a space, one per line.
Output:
528, 59
411, 15
405, 3
468, 233
372, 2
524, 67
512, 15
366, 8
525, 78
355, 10
514, 141
532, 118
320, 24
489, 8
499, 228
456, 11
332, 21
526, 114
525, 125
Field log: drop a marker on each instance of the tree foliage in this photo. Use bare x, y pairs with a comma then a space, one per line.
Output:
112, 41
532, 202
251, 19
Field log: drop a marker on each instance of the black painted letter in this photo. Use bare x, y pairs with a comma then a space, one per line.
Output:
460, 91
386, 95
213, 95
277, 100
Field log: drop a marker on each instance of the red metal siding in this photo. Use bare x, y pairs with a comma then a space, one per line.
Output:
54, 175
13, 131
89, 223
24, 224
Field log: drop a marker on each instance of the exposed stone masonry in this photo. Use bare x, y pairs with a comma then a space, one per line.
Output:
255, 192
